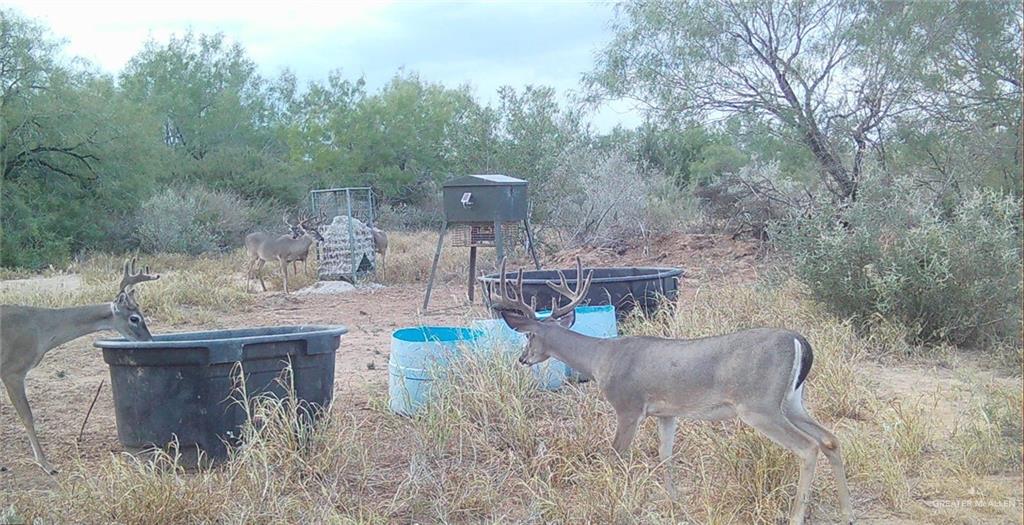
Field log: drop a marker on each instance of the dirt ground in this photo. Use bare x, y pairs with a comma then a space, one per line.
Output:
62, 387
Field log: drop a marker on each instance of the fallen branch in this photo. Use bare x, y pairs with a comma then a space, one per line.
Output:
87, 414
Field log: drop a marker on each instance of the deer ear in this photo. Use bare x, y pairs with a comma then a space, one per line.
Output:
517, 322
121, 300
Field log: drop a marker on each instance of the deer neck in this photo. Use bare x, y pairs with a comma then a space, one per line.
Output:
305, 242
67, 324
581, 352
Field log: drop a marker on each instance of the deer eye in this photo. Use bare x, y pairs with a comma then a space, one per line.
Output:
134, 319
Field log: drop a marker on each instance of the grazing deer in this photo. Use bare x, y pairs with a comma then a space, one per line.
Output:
27, 333
380, 243
253, 240
757, 375
283, 249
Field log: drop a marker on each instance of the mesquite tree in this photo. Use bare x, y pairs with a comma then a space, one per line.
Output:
837, 74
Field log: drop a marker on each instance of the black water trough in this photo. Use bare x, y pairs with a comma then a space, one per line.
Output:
624, 287
181, 386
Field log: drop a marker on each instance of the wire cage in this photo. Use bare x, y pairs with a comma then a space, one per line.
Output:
473, 235
352, 202
348, 250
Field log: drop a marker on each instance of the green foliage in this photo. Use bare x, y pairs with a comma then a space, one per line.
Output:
895, 255
76, 155
840, 80
206, 92
192, 220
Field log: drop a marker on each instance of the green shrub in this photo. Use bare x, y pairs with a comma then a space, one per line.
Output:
192, 221
893, 255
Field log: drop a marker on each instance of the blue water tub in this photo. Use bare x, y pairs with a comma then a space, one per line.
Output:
595, 321
418, 355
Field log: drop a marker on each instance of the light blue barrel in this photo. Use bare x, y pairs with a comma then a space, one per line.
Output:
500, 337
595, 321
418, 355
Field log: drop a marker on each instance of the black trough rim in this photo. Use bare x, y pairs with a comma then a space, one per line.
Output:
661, 273
202, 338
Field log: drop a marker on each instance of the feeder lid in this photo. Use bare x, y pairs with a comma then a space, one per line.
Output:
484, 180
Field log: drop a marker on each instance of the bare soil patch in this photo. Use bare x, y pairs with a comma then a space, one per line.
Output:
62, 387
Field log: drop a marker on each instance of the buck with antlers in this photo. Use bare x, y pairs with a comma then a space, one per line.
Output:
27, 333
756, 375
263, 248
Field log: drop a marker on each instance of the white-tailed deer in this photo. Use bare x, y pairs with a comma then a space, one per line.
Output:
283, 249
27, 333
380, 243
255, 239
756, 375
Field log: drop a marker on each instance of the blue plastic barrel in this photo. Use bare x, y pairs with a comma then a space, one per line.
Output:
595, 321
418, 355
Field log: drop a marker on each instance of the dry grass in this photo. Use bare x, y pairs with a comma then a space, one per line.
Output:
194, 289
190, 289
492, 448
410, 255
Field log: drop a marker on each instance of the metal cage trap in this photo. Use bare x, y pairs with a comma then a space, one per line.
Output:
347, 251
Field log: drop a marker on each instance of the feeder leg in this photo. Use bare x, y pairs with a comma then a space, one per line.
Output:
472, 271
433, 267
529, 240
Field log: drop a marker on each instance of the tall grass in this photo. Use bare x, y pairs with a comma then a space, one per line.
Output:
410, 254
190, 289
491, 447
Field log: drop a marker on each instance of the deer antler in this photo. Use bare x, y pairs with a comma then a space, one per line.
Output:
131, 277
312, 222
511, 300
575, 296
286, 221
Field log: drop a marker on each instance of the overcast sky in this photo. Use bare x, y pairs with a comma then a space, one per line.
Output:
487, 44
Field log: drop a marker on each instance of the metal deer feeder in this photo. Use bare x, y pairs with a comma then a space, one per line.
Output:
482, 211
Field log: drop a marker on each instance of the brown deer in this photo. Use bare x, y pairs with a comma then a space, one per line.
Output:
28, 333
283, 249
380, 243
756, 375
255, 239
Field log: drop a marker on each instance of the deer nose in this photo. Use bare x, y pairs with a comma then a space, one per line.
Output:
522, 359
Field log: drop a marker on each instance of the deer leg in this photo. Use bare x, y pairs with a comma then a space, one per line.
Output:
626, 430
248, 273
779, 429
15, 385
667, 436
284, 270
259, 273
830, 447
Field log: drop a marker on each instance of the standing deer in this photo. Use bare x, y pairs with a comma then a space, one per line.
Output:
380, 243
757, 375
283, 249
255, 239
298, 230
27, 333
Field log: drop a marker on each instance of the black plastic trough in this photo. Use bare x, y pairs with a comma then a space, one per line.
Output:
624, 287
181, 386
